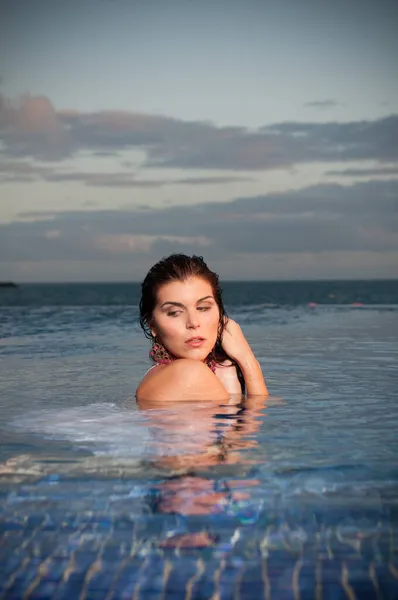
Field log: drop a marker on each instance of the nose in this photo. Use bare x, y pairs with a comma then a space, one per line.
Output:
192, 320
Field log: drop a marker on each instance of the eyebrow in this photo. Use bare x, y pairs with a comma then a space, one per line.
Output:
182, 306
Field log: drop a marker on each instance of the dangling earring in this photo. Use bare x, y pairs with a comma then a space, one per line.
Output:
159, 354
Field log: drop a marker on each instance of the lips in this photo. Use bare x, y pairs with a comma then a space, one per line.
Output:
195, 342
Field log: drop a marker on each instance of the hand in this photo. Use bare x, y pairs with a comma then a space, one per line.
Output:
234, 342
236, 346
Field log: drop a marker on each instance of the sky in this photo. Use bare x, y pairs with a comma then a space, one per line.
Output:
259, 134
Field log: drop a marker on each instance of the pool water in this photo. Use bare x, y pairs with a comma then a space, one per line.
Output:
292, 497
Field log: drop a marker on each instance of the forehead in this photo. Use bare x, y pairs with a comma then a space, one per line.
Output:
189, 290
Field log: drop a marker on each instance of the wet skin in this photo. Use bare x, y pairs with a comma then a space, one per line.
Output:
186, 318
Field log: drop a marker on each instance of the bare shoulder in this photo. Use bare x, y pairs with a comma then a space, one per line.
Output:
183, 379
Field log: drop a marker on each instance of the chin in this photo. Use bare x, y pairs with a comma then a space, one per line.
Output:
195, 355
199, 355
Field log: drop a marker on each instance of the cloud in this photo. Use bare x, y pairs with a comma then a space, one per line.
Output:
30, 126
321, 104
210, 180
371, 172
33, 128
120, 180
21, 171
120, 244
323, 218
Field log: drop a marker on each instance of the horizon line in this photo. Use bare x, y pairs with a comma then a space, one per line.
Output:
104, 282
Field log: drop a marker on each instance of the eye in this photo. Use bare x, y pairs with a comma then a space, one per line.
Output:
204, 308
173, 313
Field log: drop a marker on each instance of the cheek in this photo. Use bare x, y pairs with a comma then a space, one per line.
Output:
212, 322
169, 328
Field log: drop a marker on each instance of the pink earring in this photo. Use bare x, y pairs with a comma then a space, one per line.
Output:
159, 354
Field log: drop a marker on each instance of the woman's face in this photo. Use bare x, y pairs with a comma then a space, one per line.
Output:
185, 318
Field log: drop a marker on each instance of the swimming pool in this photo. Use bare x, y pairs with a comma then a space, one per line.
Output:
293, 498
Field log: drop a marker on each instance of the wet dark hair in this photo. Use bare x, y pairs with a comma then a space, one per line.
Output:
179, 267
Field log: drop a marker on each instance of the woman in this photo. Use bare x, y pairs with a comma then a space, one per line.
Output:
199, 353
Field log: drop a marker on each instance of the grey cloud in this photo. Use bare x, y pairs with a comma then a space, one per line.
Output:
358, 140
321, 104
210, 180
17, 178
381, 171
361, 217
120, 180
16, 167
20, 171
29, 214
103, 153
286, 144
34, 128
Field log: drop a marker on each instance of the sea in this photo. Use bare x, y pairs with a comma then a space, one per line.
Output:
292, 497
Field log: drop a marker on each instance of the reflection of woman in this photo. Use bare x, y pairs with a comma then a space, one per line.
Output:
209, 434
196, 439
199, 353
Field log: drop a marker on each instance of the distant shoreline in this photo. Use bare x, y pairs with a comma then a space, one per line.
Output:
8, 284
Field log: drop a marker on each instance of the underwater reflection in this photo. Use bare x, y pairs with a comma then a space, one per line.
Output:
192, 441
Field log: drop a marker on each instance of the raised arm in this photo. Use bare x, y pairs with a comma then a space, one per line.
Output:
237, 347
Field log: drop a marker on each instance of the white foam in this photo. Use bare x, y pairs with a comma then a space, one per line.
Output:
103, 428
108, 429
